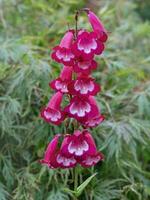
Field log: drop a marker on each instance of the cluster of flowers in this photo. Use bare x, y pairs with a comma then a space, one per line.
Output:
76, 52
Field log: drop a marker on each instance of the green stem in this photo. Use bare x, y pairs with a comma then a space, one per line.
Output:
75, 182
75, 178
76, 24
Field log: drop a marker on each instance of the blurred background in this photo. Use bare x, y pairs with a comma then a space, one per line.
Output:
28, 31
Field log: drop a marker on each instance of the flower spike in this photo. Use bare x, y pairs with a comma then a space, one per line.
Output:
76, 53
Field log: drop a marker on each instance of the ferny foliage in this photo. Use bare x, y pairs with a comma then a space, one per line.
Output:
28, 31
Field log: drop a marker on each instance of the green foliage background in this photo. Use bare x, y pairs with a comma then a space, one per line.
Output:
28, 31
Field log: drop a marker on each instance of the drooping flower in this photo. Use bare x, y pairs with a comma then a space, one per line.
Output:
97, 26
84, 86
87, 45
54, 158
91, 160
81, 145
95, 118
84, 66
65, 161
61, 83
50, 153
53, 113
78, 144
80, 108
63, 53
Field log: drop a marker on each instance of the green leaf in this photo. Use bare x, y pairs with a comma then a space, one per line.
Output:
69, 191
83, 185
80, 188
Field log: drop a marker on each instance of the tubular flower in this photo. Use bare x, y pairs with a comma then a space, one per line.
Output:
87, 45
84, 66
51, 152
92, 157
81, 145
97, 26
80, 108
96, 118
84, 86
53, 113
61, 83
78, 144
53, 158
63, 53
66, 161
77, 148
91, 160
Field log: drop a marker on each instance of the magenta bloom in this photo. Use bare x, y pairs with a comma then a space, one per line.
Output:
84, 86
84, 66
53, 158
53, 113
61, 83
63, 53
87, 45
96, 118
81, 145
78, 144
98, 27
80, 108
66, 161
91, 160
51, 152
94, 121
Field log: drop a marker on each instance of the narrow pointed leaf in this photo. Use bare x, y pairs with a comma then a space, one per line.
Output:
83, 185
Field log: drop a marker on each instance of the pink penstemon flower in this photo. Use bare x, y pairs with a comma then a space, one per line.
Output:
81, 147
76, 52
80, 107
63, 53
84, 66
84, 86
52, 113
79, 144
96, 118
50, 153
61, 83
93, 156
54, 158
91, 160
98, 27
87, 45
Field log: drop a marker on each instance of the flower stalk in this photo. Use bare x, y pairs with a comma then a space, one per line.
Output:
75, 178
76, 53
76, 24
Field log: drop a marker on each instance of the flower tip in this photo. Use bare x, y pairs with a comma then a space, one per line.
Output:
87, 10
